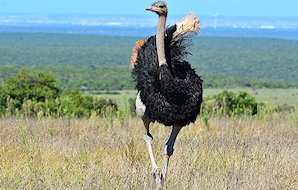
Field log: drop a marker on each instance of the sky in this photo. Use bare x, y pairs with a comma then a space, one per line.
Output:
283, 8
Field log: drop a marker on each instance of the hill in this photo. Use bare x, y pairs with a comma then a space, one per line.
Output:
100, 62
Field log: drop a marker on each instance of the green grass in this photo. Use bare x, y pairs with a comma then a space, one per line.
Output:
271, 97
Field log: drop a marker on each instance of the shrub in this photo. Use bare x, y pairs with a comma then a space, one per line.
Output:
132, 106
73, 103
2, 103
29, 86
35, 93
230, 103
284, 108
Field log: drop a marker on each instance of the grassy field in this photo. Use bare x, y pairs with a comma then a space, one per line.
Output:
108, 153
269, 96
273, 97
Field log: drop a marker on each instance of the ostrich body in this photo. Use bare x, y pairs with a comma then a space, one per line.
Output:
169, 90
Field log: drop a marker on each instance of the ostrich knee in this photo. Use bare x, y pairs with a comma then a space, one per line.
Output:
148, 138
169, 150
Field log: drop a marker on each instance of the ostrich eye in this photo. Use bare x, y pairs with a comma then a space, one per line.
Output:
161, 6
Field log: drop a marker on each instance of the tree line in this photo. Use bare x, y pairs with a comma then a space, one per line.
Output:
101, 63
36, 94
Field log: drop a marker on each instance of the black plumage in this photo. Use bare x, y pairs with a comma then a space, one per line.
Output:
172, 93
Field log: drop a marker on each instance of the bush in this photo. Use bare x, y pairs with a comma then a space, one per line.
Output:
28, 86
284, 108
36, 93
132, 106
2, 103
72, 103
230, 103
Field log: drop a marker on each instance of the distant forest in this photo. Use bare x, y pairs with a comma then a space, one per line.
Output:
92, 62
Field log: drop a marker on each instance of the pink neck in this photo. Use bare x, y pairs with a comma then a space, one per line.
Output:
160, 37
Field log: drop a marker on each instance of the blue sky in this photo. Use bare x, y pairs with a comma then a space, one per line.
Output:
137, 7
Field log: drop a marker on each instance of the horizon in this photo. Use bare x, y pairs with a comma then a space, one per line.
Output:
233, 8
144, 20
141, 15
78, 16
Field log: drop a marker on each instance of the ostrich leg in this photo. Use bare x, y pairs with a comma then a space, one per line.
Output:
169, 149
148, 139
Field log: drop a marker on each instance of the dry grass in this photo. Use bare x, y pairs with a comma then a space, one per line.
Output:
99, 154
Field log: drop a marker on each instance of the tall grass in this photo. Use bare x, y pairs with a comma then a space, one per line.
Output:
105, 153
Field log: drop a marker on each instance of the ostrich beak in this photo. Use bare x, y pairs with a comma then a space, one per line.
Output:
154, 9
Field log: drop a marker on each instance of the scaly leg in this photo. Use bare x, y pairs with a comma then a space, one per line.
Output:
148, 139
169, 149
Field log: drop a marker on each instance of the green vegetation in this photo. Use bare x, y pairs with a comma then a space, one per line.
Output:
230, 103
33, 94
270, 97
53, 137
250, 62
90, 62
29, 86
80, 77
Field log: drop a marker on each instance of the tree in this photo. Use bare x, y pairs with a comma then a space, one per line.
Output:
29, 86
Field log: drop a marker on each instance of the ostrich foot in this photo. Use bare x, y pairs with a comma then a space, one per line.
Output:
158, 179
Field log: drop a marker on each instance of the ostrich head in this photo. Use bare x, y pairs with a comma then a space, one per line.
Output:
159, 8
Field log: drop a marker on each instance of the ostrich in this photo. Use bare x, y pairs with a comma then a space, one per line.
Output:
169, 90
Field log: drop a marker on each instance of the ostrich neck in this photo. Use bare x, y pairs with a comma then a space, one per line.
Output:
160, 43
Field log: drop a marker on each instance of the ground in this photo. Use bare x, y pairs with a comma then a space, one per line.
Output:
109, 153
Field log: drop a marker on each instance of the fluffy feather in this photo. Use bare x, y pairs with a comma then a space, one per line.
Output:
171, 93
135, 50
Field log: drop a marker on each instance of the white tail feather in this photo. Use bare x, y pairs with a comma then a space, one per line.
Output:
189, 24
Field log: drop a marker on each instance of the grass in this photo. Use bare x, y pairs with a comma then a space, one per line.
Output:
97, 153
269, 96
